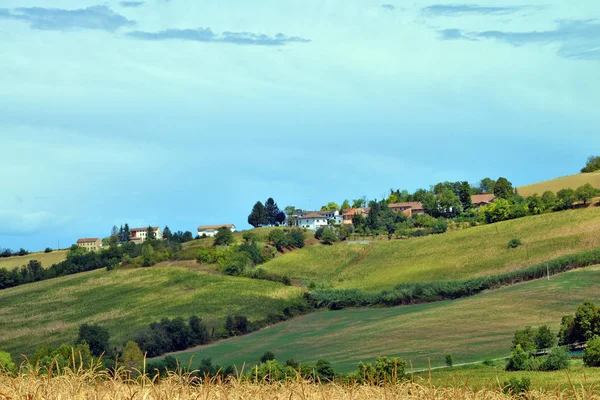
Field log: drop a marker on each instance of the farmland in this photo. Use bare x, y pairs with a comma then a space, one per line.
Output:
47, 259
470, 329
124, 301
477, 251
565, 182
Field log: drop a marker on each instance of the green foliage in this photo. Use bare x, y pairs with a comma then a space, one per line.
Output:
295, 238
96, 337
258, 216
224, 237
592, 164
499, 210
272, 211
544, 338
132, 357
48, 250
236, 264
236, 325
565, 199
556, 360
503, 189
587, 321
267, 356
519, 360
278, 238
205, 256
585, 193
449, 360
514, 243
516, 386
591, 355
329, 236
6, 362
525, 339
325, 370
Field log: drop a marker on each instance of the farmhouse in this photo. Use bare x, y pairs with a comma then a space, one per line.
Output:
139, 235
90, 244
211, 230
347, 217
480, 200
312, 221
409, 208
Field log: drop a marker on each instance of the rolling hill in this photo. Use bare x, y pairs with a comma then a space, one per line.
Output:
565, 182
471, 329
47, 259
477, 251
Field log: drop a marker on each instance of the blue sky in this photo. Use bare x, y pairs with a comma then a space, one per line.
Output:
185, 113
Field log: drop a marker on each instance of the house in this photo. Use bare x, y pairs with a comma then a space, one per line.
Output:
211, 230
312, 221
139, 235
348, 214
480, 200
90, 244
332, 215
409, 208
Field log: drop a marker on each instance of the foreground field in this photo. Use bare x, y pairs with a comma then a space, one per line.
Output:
124, 301
471, 329
478, 251
47, 259
88, 386
565, 182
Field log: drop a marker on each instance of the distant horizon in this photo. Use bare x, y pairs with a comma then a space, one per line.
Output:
185, 113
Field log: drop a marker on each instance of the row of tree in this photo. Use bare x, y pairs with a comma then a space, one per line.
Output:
266, 214
592, 164
5, 253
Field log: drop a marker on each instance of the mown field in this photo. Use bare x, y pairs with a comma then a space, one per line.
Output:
47, 259
471, 329
477, 251
564, 182
123, 301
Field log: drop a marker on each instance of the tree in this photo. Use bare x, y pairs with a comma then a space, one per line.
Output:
278, 238
325, 370
150, 234
544, 338
6, 362
587, 321
464, 195
359, 203
114, 232
224, 237
258, 216
498, 211
147, 255
280, 218
332, 206
549, 200
449, 360
199, 331
557, 359
525, 339
267, 356
591, 355
566, 198
503, 189
96, 337
585, 193
126, 233
132, 358
430, 204
345, 205
167, 235
272, 210
290, 212
329, 237
519, 360
295, 238
593, 164
487, 185
449, 204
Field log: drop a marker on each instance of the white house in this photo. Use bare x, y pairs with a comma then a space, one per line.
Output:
211, 230
139, 235
332, 214
312, 221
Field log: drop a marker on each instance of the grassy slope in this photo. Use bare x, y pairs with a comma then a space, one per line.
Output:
47, 259
259, 232
565, 182
460, 254
50, 312
471, 329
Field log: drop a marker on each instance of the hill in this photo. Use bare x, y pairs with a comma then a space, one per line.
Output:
50, 312
477, 251
47, 259
565, 182
470, 329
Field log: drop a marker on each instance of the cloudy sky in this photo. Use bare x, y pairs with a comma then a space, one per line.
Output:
186, 113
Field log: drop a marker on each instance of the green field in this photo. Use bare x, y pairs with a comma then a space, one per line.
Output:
47, 259
123, 301
261, 233
470, 329
478, 251
565, 182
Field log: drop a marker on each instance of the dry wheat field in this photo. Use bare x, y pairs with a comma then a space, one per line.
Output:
94, 385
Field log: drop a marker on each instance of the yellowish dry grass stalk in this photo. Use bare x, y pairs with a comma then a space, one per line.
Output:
98, 385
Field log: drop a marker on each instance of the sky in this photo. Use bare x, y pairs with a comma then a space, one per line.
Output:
185, 113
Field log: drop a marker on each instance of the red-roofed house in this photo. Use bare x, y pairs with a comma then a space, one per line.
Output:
480, 200
409, 208
348, 214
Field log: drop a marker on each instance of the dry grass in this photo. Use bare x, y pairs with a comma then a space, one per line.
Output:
98, 385
47, 259
564, 182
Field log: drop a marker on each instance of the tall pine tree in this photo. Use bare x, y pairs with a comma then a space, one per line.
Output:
258, 216
126, 233
167, 235
272, 211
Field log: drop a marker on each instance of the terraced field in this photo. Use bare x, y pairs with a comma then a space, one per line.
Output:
470, 329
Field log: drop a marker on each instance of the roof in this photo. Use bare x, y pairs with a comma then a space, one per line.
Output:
313, 215
142, 229
482, 198
87, 240
353, 211
205, 227
415, 205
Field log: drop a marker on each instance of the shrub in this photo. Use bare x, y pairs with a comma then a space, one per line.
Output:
544, 338
517, 387
236, 264
440, 226
319, 232
6, 362
96, 337
267, 356
519, 360
325, 370
205, 256
329, 236
295, 238
488, 362
557, 359
449, 360
224, 237
48, 250
592, 164
514, 243
278, 238
591, 355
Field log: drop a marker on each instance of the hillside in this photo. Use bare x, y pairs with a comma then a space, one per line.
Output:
47, 259
565, 182
124, 301
477, 251
470, 329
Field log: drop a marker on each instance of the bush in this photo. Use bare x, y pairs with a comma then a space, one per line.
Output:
236, 264
329, 236
591, 355
592, 164
449, 360
514, 243
278, 238
517, 387
295, 238
557, 359
319, 232
544, 338
96, 337
488, 362
6, 362
224, 237
519, 360
205, 256
267, 356
48, 250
